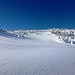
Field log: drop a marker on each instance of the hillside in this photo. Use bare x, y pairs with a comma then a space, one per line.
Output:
37, 52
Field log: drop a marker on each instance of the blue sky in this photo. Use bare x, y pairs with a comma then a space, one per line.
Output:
37, 14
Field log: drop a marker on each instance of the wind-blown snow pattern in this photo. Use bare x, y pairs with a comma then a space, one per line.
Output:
38, 53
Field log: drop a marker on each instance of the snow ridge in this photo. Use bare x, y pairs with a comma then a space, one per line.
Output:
59, 35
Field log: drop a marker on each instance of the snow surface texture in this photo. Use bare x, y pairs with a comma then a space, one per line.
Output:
38, 54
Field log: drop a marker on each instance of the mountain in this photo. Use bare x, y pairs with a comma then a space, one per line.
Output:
37, 52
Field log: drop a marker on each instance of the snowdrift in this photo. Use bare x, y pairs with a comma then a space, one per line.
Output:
40, 53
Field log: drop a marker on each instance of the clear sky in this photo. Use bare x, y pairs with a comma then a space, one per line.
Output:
37, 14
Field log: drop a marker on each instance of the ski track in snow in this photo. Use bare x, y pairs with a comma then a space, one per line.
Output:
36, 56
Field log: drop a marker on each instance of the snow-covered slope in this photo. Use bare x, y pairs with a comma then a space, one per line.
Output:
36, 54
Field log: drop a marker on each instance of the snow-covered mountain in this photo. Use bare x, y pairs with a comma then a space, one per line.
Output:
37, 52
59, 35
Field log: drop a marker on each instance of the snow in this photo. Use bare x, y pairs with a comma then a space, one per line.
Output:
38, 54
